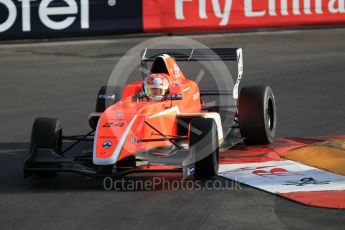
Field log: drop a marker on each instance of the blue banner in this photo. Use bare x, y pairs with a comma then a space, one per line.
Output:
60, 18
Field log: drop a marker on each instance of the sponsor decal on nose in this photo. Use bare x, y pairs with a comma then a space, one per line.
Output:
107, 144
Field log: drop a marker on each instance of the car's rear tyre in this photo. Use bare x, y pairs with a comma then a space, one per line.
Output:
46, 134
204, 147
257, 115
103, 103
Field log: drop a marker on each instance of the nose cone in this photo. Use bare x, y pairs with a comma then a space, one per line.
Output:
112, 132
122, 127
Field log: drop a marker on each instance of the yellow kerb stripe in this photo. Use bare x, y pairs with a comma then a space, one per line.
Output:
328, 155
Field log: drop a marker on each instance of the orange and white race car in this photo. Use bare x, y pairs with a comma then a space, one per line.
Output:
159, 124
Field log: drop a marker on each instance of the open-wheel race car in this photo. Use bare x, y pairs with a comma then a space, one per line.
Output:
160, 124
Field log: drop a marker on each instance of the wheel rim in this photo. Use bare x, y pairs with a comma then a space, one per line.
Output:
270, 115
59, 142
216, 161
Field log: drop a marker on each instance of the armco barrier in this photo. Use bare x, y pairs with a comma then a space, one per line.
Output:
61, 18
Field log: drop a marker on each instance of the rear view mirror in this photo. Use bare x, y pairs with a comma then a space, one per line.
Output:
175, 92
174, 96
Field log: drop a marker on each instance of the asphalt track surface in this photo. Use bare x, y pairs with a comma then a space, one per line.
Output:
304, 68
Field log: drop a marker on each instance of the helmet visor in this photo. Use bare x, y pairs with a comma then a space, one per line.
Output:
155, 91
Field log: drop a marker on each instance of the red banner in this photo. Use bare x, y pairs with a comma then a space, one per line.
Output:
225, 15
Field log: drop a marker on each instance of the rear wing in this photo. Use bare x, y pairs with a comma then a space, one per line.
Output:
202, 54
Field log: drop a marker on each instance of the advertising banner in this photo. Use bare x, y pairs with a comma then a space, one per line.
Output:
58, 18
61, 18
225, 15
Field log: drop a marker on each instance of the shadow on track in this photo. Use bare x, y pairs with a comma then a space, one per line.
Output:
12, 156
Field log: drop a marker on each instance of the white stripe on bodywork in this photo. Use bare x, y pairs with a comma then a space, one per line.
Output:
113, 159
216, 118
174, 109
